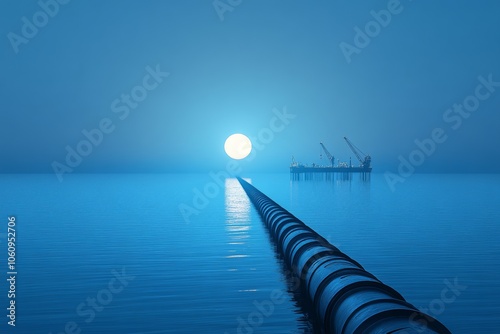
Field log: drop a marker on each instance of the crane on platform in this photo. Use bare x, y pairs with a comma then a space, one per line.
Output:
330, 157
364, 159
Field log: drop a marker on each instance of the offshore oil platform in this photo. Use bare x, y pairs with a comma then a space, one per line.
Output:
344, 168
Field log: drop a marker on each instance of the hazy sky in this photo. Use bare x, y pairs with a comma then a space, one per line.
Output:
167, 81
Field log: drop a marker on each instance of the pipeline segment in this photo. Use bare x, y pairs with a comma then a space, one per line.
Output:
347, 299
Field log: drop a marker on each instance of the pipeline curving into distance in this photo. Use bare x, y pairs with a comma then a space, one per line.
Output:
346, 298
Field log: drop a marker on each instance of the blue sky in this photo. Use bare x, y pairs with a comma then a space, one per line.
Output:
232, 71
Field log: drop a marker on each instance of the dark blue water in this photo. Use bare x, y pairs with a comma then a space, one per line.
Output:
114, 254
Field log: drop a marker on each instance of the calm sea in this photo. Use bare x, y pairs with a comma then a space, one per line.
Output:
114, 253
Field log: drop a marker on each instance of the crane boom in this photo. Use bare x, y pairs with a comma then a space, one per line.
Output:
365, 160
328, 154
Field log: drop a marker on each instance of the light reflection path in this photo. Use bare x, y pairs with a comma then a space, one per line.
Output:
237, 219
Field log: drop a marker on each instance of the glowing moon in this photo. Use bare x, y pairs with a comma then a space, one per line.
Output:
238, 146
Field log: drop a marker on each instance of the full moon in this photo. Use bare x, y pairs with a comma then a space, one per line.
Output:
238, 146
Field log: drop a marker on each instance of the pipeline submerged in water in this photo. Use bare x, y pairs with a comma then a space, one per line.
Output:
346, 298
